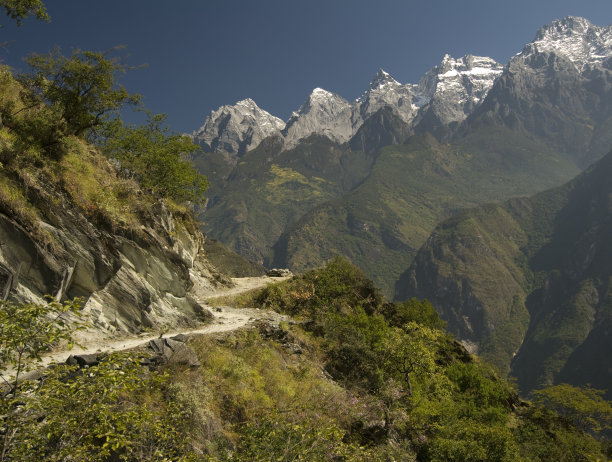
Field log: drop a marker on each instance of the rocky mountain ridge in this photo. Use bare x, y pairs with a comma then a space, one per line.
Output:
237, 129
579, 41
448, 91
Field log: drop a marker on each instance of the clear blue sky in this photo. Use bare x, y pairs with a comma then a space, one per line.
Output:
201, 54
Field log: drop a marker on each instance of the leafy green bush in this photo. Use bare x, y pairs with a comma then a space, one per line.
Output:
413, 310
585, 407
338, 287
21, 9
112, 411
116, 410
81, 89
275, 437
156, 158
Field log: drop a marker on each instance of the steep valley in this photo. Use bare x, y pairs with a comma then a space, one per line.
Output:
527, 283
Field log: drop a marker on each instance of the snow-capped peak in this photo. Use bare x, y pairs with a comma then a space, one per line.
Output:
236, 129
321, 93
323, 113
384, 91
382, 79
574, 38
248, 103
453, 87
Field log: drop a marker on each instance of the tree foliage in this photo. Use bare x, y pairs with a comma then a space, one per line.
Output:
26, 331
411, 350
585, 407
21, 9
101, 413
82, 88
115, 410
156, 157
433, 397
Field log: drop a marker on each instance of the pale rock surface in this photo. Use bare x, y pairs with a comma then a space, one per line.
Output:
576, 39
323, 113
129, 281
385, 91
236, 129
455, 87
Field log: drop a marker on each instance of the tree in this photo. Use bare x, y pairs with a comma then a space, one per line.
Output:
411, 350
21, 9
419, 311
156, 157
26, 331
585, 407
81, 88
114, 410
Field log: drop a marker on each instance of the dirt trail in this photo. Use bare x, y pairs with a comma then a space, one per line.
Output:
226, 318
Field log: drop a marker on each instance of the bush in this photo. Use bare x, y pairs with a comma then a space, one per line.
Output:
413, 310
82, 88
156, 158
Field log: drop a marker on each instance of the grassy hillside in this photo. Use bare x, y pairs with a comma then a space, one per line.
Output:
353, 379
269, 189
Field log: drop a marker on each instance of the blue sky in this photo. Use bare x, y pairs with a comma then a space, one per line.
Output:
201, 54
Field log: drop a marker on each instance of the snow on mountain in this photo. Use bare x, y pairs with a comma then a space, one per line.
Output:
383, 91
575, 39
447, 93
454, 87
236, 129
322, 113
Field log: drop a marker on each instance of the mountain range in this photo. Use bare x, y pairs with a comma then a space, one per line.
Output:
370, 179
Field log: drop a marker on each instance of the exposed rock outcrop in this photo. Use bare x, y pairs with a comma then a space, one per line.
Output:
130, 279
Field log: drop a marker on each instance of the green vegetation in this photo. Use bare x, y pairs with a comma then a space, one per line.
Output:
44, 154
21, 9
115, 410
355, 379
270, 189
299, 208
81, 89
533, 278
433, 400
156, 158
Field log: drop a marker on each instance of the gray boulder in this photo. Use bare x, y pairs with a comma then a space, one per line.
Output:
169, 351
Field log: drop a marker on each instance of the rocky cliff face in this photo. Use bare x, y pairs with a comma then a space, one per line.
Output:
236, 129
559, 89
130, 279
323, 113
455, 88
447, 93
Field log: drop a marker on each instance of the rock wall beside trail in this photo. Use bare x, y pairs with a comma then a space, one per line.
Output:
130, 279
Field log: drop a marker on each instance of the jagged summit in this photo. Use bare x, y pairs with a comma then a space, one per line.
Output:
247, 103
454, 87
574, 38
381, 79
324, 113
448, 93
236, 129
319, 93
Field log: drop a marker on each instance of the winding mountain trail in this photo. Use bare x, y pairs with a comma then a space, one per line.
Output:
225, 318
